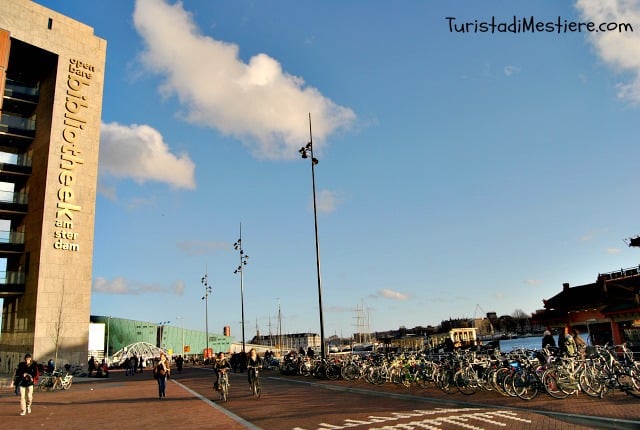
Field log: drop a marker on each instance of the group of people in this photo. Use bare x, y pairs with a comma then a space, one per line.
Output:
101, 369
133, 364
222, 365
569, 342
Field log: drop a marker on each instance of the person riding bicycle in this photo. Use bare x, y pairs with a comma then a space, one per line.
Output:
253, 362
220, 365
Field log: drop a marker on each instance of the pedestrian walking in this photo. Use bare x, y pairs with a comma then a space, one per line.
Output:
127, 366
26, 375
161, 372
134, 364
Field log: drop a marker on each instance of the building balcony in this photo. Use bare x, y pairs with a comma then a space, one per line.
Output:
14, 167
17, 125
12, 283
11, 242
13, 203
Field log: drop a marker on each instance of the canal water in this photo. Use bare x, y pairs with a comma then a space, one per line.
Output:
534, 342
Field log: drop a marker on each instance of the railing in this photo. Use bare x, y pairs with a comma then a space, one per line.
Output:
17, 122
12, 197
17, 89
622, 273
12, 277
12, 237
15, 159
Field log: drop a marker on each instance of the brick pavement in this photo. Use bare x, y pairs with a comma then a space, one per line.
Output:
124, 401
118, 402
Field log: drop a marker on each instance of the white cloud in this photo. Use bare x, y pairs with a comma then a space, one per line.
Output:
138, 152
327, 201
256, 102
510, 70
533, 282
619, 49
127, 287
613, 251
395, 295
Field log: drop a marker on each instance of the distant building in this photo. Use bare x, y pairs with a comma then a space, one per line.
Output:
288, 342
608, 309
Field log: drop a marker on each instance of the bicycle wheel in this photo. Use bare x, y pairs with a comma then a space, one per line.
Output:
551, 385
223, 387
525, 385
66, 383
507, 384
257, 388
465, 381
332, 372
497, 377
350, 372
445, 381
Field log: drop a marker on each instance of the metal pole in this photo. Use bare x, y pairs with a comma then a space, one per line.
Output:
315, 218
207, 291
242, 288
108, 335
182, 324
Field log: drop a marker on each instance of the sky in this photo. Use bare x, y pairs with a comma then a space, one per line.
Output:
459, 172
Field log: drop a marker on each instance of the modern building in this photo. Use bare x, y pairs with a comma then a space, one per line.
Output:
51, 86
119, 333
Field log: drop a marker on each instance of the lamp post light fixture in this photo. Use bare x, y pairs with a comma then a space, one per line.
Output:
243, 262
207, 290
307, 152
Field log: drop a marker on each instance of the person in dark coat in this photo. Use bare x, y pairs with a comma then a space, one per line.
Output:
547, 339
26, 376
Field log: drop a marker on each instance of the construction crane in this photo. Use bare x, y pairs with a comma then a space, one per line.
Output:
485, 316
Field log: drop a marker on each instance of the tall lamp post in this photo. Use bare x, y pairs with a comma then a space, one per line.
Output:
307, 152
243, 262
182, 324
108, 335
207, 290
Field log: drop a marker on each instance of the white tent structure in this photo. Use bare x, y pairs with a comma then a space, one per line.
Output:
140, 349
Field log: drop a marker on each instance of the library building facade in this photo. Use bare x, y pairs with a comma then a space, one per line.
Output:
51, 86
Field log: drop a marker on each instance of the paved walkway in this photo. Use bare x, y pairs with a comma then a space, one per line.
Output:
125, 402
119, 402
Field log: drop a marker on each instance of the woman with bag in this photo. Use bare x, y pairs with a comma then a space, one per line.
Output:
161, 373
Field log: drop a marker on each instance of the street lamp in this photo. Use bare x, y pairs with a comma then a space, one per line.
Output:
243, 262
108, 335
207, 290
307, 152
182, 325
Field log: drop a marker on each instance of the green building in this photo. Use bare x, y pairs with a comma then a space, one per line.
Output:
119, 333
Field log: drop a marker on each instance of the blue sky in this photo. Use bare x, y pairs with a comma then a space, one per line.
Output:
458, 172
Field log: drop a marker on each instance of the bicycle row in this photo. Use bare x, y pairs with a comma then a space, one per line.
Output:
522, 373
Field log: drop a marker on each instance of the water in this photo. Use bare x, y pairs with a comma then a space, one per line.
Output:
534, 342
508, 345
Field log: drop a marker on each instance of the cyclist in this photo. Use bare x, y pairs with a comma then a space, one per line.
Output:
253, 362
220, 365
